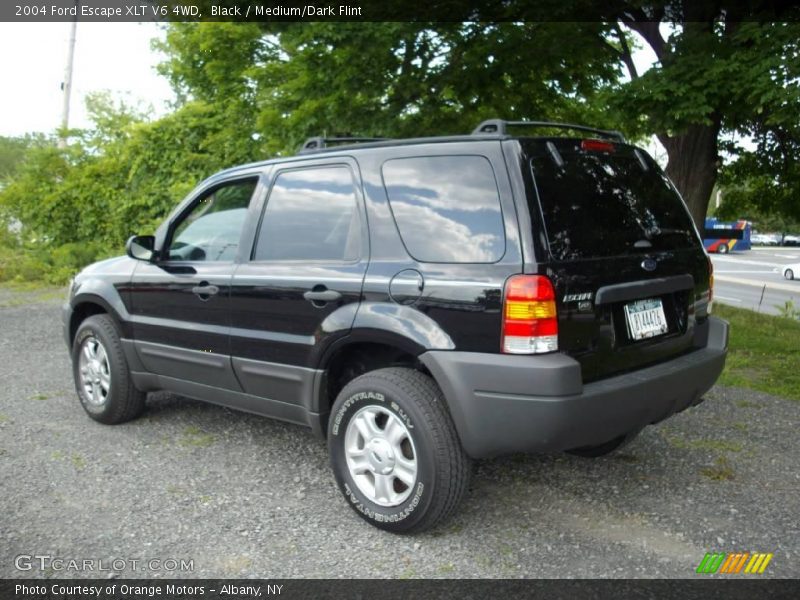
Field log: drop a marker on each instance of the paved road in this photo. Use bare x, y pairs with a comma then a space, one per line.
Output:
245, 496
740, 279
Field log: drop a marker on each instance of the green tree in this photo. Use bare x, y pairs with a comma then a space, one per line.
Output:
13, 151
715, 78
392, 78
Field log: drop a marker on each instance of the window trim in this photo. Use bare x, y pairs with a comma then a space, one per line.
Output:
325, 261
499, 205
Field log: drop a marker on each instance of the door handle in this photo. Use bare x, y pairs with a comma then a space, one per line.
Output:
205, 290
321, 296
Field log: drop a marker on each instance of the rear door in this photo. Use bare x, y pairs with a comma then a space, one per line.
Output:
629, 269
302, 284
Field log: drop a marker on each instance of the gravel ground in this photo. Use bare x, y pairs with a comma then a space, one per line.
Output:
244, 496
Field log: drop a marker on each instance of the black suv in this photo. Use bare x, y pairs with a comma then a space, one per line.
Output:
419, 302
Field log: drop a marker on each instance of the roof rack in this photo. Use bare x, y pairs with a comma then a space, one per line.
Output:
499, 127
315, 144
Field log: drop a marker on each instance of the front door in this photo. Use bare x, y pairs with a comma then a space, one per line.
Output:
301, 287
180, 302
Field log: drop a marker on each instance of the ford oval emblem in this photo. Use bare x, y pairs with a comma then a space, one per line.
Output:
648, 264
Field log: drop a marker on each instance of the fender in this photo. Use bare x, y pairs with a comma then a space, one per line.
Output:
402, 327
379, 322
415, 328
104, 289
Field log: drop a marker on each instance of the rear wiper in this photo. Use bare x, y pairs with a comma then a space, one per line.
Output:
658, 232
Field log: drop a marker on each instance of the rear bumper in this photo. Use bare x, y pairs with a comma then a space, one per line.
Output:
503, 404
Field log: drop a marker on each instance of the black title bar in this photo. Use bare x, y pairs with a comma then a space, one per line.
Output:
699, 588
392, 10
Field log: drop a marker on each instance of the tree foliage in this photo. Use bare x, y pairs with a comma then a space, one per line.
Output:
13, 151
247, 91
719, 79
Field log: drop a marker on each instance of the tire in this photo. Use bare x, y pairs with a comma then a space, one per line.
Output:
367, 414
604, 448
722, 249
788, 274
101, 374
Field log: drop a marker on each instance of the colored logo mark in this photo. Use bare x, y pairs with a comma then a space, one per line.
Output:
734, 562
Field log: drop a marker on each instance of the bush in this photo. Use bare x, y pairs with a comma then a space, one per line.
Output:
56, 266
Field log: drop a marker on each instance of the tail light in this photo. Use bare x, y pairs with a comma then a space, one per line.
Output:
710, 282
530, 324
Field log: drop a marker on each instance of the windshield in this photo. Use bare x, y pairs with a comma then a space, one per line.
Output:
606, 202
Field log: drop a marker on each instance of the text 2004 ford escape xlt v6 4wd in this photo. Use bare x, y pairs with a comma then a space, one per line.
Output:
419, 302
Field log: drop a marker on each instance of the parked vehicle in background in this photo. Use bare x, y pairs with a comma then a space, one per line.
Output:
722, 237
765, 239
791, 271
418, 302
791, 240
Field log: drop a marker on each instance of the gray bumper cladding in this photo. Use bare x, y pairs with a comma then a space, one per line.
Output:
503, 404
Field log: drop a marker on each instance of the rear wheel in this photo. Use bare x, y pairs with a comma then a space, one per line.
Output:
395, 452
722, 249
788, 274
101, 374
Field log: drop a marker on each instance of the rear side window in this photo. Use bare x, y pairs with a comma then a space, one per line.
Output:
447, 208
601, 203
311, 214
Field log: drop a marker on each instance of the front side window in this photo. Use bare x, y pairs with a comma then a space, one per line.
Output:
311, 214
210, 231
447, 208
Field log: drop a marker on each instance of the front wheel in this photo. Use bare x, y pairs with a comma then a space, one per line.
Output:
722, 249
101, 375
395, 452
788, 274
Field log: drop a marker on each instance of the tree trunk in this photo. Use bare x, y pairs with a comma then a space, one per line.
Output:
692, 166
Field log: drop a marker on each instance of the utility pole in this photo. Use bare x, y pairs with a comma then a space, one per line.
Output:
66, 85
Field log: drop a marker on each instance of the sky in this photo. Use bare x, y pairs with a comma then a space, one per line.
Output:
108, 56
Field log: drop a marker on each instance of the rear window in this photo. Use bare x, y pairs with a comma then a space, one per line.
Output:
606, 203
447, 208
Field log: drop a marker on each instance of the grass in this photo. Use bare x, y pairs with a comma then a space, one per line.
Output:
32, 286
764, 352
78, 462
704, 444
194, 437
721, 471
22, 294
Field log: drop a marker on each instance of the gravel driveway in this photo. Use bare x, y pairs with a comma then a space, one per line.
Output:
243, 496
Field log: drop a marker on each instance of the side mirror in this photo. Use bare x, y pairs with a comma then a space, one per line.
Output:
141, 247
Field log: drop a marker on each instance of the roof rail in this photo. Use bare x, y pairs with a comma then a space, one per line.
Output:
499, 127
315, 144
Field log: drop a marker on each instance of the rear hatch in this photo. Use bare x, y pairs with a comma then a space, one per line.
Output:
629, 270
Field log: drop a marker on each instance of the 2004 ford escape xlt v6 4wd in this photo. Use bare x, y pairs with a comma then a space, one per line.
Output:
418, 302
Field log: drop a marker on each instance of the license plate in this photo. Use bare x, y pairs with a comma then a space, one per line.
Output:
645, 319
